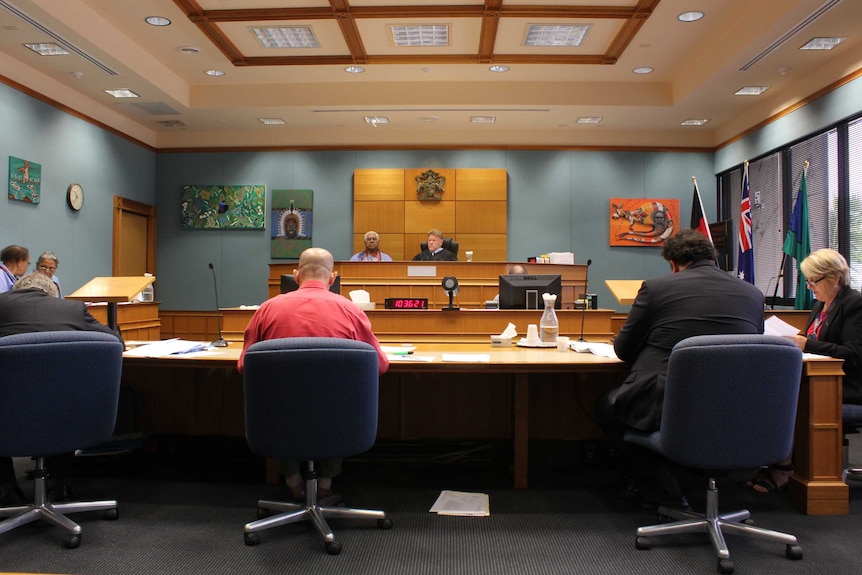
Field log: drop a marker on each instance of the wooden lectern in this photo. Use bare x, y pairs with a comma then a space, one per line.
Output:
112, 290
625, 291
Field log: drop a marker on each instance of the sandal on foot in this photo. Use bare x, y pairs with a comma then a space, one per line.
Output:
761, 473
768, 483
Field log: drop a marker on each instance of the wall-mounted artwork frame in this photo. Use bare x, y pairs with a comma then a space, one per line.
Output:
291, 223
642, 222
223, 207
25, 180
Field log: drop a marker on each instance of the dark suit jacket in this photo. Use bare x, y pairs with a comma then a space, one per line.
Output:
699, 300
29, 310
443, 255
841, 337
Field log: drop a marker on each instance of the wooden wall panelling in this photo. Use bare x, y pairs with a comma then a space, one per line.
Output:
375, 185
480, 217
485, 247
482, 184
419, 217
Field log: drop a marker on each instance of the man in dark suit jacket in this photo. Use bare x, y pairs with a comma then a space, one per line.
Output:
33, 305
435, 252
698, 298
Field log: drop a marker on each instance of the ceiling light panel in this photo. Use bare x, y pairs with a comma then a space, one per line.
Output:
751, 90
286, 37
483, 119
47, 49
590, 120
821, 43
272, 121
694, 122
414, 35
556, 35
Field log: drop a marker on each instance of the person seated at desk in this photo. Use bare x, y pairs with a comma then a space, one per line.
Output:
14, 261
834, 328
435, 252
372, 252
47, 264
33, 305
311, 311
697, 298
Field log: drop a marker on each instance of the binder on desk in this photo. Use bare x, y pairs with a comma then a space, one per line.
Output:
625, 291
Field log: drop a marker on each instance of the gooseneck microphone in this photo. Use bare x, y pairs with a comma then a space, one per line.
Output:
220, 342
586, 290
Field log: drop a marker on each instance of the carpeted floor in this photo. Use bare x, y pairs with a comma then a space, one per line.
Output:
183, 507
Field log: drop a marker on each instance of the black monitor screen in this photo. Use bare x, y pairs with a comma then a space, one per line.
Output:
288, 283
524, 291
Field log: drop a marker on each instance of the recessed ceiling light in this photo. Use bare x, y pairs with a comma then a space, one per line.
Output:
122, 93
590, 120
272, 121
157, 21
499, 68
47, 49
354, 69
189, 50
430, 119
420, 35
483, 119
694, 122
376, 120
751, 90
286, 37
692, 16
551, 35
821, 43
214, 73
643, 70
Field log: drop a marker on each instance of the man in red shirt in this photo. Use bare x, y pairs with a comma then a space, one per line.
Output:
311, 311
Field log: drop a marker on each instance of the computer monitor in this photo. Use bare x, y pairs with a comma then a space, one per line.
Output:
524, 291
288, 283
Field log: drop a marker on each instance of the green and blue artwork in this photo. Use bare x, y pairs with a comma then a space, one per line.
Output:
25, 180
223, 207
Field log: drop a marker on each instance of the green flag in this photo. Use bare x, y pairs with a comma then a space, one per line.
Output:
797, 243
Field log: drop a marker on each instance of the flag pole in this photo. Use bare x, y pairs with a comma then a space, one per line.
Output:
778, 279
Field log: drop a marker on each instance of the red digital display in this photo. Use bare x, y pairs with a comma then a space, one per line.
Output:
406, 303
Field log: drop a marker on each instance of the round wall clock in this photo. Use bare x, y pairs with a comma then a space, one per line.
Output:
75, 196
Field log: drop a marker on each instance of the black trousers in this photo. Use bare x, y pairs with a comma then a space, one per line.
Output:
651, 471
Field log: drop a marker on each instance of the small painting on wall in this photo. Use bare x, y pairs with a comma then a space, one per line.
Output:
25, 180
223, 207
291, 222
642, 222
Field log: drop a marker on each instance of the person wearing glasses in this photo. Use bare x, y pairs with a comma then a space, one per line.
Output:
47, 264
372, 252
14, 262
834, 328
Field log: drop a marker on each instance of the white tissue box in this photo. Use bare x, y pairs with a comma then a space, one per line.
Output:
500, 341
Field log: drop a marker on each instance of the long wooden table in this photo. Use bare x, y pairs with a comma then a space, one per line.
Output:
539, 389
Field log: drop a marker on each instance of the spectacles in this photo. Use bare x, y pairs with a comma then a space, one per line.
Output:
812, 283
45, 268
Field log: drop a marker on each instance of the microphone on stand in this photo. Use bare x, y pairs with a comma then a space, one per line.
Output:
586, 289
220, 342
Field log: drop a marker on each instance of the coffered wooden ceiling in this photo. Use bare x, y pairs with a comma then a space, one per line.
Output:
430, 95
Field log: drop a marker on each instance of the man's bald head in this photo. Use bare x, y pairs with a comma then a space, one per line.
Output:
315, 264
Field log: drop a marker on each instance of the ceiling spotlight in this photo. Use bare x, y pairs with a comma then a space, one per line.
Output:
692, 16
157, 21
189, 50
499, 68
643, 70
214, 73
354, 69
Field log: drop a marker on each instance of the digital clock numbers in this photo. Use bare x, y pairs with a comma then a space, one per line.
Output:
406, 303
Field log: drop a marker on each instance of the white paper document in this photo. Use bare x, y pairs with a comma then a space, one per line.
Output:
774, 325
168, 347
594, 347
467, 357
463, 504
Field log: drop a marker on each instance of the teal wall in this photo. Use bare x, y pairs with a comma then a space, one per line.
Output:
558, 200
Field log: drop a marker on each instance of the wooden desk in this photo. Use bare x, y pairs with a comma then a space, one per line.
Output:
465, 326
136, 320
519, 394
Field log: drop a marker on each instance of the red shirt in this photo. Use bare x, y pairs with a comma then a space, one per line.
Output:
310, 311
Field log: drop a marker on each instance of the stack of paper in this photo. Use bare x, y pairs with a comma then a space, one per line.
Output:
593, 347
462, 504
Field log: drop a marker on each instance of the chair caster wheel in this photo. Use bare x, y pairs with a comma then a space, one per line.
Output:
384, 524
793, 552
642, 543
333, 547
725, 566
112, 514
72, 541
250, 539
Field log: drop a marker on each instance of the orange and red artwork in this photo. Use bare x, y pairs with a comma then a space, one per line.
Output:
642, 222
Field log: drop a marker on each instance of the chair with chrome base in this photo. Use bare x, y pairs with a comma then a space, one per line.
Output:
309, 399
721, 391
58, 393
851, 417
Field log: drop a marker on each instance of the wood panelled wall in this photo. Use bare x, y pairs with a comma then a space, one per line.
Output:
472, 211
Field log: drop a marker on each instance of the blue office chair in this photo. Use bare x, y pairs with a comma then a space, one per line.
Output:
309, 399
851, 417
729, 403
58, 392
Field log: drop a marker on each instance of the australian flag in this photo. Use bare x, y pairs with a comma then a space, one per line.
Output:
745, 265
